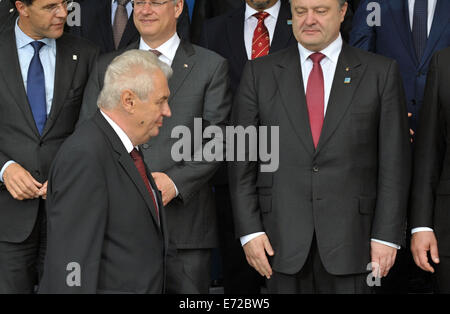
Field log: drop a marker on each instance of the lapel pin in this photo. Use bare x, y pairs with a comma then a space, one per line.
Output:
75, 57
186, 66
11, 10
347, 69
347, 80
289, 22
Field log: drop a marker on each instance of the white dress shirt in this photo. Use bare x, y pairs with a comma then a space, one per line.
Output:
251, 22
125, 141
328, 65
114, 5
431, 9
167, 49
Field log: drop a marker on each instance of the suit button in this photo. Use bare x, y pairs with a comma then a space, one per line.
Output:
145, 146
315, 169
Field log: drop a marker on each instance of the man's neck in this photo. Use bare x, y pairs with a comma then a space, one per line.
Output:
155, 43
23, 27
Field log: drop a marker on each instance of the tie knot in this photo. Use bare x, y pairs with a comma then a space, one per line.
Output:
261, 16
155, 52
123, 2
37, 45
135, 154
317, 57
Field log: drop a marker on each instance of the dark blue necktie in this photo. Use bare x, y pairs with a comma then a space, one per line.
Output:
36, 88
420, 24
190, 4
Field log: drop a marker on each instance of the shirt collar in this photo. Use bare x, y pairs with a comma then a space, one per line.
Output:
168, 49
23, 39
332, 52
120, 133
273, 10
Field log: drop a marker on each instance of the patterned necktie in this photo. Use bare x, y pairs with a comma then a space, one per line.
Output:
420, 27
261, 40
155, 52
36, 88
120, 21
315, 93
139, 163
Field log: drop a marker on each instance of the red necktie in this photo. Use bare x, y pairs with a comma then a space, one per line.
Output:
261, 40
139, 163
315, 97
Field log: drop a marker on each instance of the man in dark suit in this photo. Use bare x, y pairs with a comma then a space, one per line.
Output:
199, 89
8, 14
238, 28
43, 74
98, 24
105, 215
337, 200
409, 32
429, 218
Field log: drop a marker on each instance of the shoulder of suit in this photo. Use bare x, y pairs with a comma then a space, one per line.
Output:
77, 42
369, 57
207, 55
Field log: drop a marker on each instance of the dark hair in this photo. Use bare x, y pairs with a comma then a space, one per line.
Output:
26, 2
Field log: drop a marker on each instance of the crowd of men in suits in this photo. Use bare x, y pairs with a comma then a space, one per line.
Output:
91, 200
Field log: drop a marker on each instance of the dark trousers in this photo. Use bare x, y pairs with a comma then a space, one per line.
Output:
313, 278
442, 275
238, 276
21, 264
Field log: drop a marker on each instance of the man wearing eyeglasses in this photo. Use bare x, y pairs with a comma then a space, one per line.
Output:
109, 24
199, 89
42, 77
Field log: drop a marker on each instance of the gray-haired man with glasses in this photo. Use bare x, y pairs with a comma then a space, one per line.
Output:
43, 73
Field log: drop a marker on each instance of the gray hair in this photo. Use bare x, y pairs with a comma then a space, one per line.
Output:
341, 2
133, 70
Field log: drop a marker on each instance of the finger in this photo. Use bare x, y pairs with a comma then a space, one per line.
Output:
409, 114
268, 247
34, 181
424, 262
376, 267
411, 132
434, 252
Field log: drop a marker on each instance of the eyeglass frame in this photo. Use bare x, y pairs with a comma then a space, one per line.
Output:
155, 4
56, 7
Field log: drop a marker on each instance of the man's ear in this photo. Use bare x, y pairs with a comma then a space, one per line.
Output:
178, 8
344, 11
128, 101
22, 8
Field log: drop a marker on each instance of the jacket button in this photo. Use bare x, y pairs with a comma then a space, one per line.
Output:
315, 169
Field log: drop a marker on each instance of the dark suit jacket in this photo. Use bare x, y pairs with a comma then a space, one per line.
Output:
101, 216
199, 88
430, 194
393, 39
96, 25
19, 138
7, 17
350, 189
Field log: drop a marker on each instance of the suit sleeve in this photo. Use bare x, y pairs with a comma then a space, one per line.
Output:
429, 152
394, 161
190, 176
242, 174
362, 35
76, 217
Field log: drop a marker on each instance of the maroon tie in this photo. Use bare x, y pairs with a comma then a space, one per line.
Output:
261, 40
139, 163
315, 97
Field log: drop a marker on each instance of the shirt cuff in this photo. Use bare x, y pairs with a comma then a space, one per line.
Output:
395, 246
249, 237
4, 168
419, 229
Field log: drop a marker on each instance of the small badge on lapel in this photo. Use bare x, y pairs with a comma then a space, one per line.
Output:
11, 10
75, 57
289, 22
347, 80
186, 66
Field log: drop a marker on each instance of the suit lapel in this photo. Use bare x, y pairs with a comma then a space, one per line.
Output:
341, 93
182, 65
10, 69
400, 15
288, 76
127, 163
283, 31
235, 35
440, 20
65, 65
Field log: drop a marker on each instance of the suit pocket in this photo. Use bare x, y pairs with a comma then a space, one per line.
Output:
443, 188
367, 205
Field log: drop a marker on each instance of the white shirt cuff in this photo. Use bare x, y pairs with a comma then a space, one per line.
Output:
395, 246
4, 168
419, 229
249, 237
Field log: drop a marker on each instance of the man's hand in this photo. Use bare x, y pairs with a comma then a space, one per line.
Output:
411, 132
383, 256
43, 190
20, 183
165, 185
255, 252
421, 243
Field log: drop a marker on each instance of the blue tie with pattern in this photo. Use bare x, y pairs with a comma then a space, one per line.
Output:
420, 25
36, 88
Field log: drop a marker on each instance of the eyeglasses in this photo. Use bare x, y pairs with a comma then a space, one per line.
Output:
54, 8
140, 4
